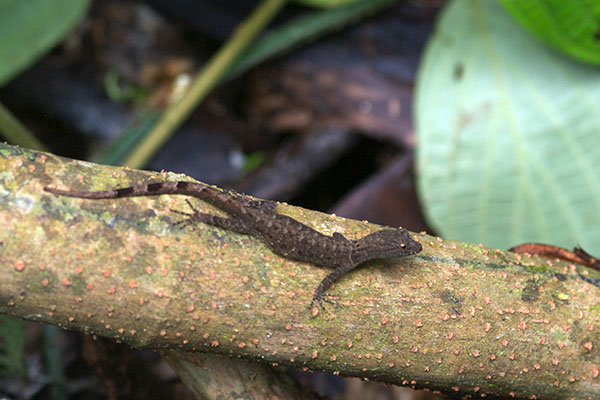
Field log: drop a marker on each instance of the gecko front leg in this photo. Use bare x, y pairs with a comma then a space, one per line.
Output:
320, 292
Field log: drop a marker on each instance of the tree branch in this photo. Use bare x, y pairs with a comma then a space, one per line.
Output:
457, 317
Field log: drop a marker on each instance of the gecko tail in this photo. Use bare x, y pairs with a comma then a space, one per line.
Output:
151, 189
105, 194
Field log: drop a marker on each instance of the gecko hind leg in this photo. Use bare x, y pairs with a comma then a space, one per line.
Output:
220, 222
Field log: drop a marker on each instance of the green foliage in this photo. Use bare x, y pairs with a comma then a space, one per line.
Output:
325, 3
12, 345
301, 30
277, 41
571, 26
253, 161
53, 362
122, 93
508, 134
28, 29
128, 140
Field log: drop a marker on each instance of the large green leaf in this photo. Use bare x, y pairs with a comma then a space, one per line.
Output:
325, 3
508, 134
29, 28
572, 26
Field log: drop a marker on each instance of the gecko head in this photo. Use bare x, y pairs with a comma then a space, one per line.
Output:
396, 241
386, 243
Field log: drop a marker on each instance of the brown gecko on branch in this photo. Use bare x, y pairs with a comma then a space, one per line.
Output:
285, 235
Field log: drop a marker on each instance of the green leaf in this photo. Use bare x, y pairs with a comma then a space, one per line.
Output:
128, 140
253, 161
325, 3
303, 29
30, 28
122, 94
12, 346
508, 134
571, 26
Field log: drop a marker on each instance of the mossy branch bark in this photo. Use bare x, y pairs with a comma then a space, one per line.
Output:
456, 317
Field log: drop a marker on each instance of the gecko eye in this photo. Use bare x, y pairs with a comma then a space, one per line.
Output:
402, 245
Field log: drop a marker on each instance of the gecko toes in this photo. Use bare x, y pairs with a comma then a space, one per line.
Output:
189, 221
319, 299
181, 212
192, 218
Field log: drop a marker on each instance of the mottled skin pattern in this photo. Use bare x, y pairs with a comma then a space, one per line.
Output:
286, 236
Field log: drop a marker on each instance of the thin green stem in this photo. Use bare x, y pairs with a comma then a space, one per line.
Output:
174, 116
16, 133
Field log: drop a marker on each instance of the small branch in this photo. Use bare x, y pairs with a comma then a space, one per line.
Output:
232, 377
457, 317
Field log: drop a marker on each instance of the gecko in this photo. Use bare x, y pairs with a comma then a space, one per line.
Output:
286, 236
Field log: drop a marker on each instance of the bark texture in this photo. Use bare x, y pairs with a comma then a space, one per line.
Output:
457, 317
